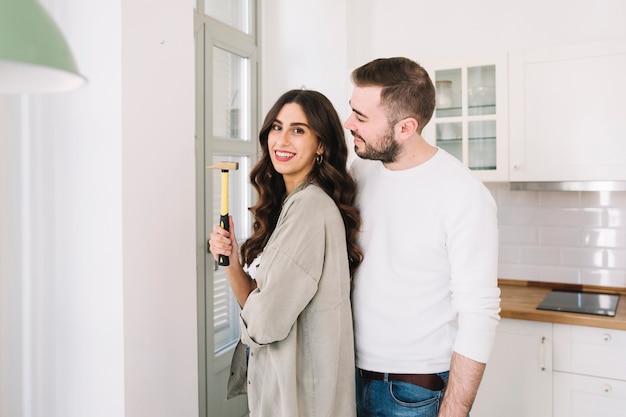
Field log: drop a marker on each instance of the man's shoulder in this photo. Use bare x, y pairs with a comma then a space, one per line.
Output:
360, 167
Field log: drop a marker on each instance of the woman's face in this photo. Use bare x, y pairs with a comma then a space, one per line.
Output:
292, 145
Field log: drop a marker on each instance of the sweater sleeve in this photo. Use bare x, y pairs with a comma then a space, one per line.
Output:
289, 273
473, 253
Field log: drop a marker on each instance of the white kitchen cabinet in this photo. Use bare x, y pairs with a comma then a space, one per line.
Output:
518, 377
589, 371
567, 113
471, 117
585, 396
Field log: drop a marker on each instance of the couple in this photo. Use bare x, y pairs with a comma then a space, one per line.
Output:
423, 292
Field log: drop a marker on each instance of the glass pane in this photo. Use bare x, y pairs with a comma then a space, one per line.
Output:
225, 307
235, 13
231, 95
448, 86
481, 91
482, 145
449, 138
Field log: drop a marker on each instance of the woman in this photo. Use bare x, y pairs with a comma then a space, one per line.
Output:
296, 316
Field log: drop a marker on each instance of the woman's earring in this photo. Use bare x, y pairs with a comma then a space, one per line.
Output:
319, 159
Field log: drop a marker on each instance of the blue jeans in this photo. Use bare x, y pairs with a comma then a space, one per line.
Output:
396, 399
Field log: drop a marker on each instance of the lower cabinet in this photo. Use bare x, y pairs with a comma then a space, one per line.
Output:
587, 396
518, 378
541, 369
589, 372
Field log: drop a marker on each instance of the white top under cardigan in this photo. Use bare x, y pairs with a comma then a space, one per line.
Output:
298, 322
428, 281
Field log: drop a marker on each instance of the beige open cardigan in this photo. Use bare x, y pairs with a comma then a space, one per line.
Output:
298, 322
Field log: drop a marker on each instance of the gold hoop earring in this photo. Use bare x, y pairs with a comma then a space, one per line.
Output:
319, 159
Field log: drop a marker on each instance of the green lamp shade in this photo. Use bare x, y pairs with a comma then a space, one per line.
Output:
34, 56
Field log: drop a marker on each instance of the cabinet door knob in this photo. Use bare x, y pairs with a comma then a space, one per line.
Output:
606, 337
607, 388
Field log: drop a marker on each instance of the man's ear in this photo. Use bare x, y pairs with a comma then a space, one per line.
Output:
407, 126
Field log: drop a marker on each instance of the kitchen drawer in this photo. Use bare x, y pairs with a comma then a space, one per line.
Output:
590, 351
585, 396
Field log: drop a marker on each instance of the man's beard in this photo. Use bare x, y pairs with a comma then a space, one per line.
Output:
387, 153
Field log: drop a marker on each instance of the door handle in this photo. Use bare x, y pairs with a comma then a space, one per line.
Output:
542, 354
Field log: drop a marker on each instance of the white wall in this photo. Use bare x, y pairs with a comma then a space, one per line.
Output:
98, 235
85, 136
304, 43
158, 208
448, 28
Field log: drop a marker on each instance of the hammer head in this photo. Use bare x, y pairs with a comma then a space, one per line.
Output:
225, 166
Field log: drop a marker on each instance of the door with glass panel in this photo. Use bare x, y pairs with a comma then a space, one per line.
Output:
226, 123
471, 117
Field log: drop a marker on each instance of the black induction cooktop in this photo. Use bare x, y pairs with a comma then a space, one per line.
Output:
580, 302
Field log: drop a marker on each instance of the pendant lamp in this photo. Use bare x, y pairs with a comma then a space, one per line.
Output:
34, 56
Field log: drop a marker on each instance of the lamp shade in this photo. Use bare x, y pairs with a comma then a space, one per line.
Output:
34, 56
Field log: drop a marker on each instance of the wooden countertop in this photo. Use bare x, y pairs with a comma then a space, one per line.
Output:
519, 300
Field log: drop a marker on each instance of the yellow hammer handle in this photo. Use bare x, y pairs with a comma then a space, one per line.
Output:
224, 205
222, 259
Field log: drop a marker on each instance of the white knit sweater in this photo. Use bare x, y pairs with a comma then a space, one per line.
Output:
428, 282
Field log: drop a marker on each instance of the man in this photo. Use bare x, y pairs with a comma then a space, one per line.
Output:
425, 300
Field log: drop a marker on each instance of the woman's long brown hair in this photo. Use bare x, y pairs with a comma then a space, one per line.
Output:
331, 175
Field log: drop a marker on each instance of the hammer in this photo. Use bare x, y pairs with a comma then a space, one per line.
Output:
225, 166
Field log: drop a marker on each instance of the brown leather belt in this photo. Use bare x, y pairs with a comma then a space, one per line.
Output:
432, 382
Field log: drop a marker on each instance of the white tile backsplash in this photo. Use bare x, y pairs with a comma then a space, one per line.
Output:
562, 236
559, 199
540, 255
509, 254
559, 274
584, 258
610, 278
581, 216
616, 218
616, 259
604, 238
518, 235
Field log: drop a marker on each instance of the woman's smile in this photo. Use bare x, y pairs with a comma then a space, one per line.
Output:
283, 156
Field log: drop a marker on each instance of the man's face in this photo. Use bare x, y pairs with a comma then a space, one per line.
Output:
368, 123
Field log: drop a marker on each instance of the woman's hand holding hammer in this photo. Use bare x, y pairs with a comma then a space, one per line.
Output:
224, 242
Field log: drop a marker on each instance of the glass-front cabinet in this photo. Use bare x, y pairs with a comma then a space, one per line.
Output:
471, 117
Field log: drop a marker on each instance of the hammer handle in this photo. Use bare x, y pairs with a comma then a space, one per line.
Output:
223, 259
